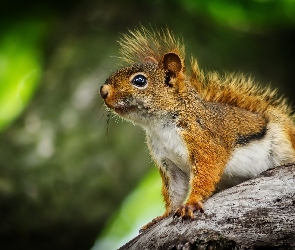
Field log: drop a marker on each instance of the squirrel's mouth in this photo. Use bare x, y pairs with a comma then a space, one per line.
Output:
122, 110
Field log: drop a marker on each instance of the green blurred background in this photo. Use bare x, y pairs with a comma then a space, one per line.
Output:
73, 176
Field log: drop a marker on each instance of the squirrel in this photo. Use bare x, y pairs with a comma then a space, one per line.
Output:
205, 132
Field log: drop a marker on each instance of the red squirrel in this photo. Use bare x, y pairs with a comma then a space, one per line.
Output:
204, 131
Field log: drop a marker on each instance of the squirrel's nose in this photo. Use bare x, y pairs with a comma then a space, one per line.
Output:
104, 91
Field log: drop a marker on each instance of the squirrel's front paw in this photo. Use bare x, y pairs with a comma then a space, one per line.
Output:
186, 211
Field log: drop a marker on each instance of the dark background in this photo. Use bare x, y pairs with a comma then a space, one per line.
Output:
64, 170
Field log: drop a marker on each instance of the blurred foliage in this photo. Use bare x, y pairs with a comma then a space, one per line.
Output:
66, 163
138, 208
20, 66
250, 15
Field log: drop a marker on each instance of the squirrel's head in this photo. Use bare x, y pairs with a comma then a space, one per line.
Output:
154, 79
145, 89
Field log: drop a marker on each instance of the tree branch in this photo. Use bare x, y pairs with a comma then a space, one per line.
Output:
258, 213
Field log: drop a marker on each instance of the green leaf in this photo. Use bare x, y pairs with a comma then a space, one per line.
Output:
20, 66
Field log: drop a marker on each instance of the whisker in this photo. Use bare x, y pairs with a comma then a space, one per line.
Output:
101, 104
103, 114
93, 74
108, 122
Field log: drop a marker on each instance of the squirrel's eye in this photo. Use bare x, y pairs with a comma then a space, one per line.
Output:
139, 81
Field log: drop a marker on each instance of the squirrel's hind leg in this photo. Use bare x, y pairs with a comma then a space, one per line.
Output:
153, 222
174, 189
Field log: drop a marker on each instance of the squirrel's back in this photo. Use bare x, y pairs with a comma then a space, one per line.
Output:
236, 90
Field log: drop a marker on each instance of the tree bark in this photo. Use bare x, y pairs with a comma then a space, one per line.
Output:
256, 214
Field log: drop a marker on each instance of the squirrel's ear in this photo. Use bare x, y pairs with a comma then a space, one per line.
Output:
172, 63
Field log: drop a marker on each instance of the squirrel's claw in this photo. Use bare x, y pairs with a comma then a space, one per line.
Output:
186, 211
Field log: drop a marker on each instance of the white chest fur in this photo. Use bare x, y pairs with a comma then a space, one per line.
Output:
166, 143
170, 153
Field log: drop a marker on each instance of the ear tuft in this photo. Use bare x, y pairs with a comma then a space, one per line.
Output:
150, 59
172, 63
